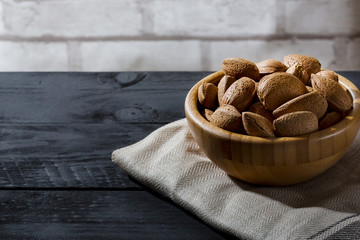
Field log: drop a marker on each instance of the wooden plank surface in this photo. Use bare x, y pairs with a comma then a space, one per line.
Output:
65, 155
94, 97
57, 133
28, 214
59, 129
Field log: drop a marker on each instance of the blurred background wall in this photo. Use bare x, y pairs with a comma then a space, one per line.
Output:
178, 35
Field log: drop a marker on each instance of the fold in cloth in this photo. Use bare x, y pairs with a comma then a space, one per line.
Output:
170, 162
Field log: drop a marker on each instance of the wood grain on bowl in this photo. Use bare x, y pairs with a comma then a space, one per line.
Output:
273, 161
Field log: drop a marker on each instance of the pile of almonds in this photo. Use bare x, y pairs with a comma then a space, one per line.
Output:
273, 98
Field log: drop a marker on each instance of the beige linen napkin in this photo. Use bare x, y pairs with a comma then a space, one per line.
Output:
170, 162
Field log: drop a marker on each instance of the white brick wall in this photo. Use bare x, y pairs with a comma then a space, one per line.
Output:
142, 55
214, 18
322, 17
75, 18
183, 35
353, 55
33, 56
2, 24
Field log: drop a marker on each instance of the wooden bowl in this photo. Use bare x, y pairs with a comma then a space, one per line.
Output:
272, 161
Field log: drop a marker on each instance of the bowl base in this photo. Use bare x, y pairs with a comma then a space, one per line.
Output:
282, 175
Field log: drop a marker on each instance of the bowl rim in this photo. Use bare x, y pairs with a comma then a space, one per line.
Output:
192, 112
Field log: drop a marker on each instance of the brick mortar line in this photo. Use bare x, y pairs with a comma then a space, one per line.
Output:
178, 38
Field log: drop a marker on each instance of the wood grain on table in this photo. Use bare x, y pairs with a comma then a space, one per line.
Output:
58, 131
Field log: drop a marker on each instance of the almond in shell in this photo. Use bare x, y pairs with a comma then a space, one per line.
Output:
277, 88
296, 123
227, 117
258, 108
240, 94
336, 96
298, 71
310, 64
328, 74
207, 95
310, 89
257, 125
223, 85
206, 113
238, 67
329, 119
313, 102
348, 93
270, 66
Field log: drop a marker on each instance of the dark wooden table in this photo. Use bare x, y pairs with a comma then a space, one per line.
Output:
57, 133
